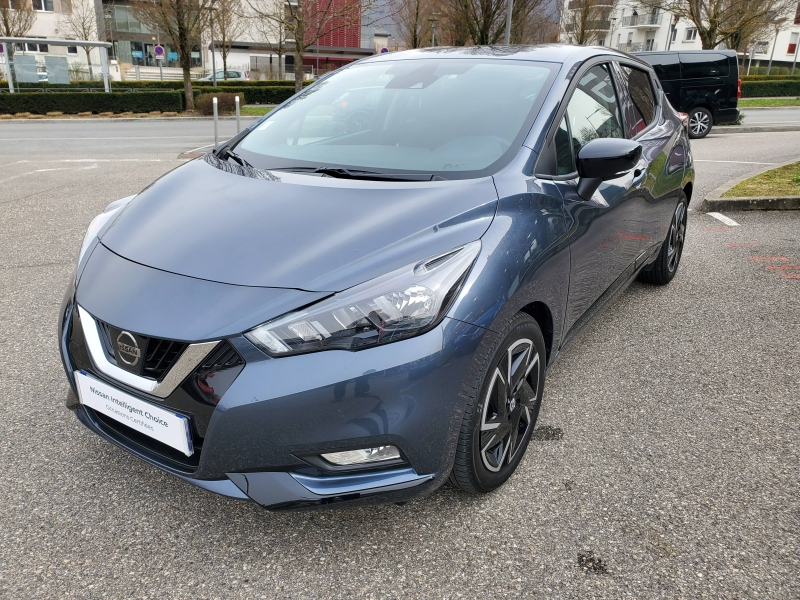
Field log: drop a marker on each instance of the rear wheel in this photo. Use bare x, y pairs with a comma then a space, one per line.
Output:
664, 268
699, 123
500, 418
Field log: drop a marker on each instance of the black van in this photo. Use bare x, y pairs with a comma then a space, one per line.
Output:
704, 84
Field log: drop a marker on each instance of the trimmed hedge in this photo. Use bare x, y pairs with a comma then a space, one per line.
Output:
763, 70
251, 94
75, 102
769, 77
162, 85
178, 85
761, 89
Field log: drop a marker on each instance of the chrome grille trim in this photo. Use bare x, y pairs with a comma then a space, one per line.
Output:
188, 361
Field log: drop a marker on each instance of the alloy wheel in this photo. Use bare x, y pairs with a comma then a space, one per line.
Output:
508, 408
699, 123
677, 235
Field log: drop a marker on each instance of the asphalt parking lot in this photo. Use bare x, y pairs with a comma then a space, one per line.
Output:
672, 468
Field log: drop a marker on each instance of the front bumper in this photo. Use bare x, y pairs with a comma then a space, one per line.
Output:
278, 411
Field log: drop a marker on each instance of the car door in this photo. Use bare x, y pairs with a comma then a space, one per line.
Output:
663, 152
605, 230
704, 79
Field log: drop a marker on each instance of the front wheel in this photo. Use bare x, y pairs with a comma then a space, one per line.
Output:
500, 417
664, 268
699, 123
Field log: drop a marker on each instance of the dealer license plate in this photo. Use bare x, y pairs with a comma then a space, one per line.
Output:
163, 425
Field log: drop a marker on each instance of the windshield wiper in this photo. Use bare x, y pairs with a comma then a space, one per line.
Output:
227, 153
341, 173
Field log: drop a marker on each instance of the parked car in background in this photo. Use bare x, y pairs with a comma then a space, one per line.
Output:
309, 315
704, 84
232, 75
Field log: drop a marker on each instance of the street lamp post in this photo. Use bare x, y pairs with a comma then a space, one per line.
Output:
796, 49
508, 22
777, 23
212, 8
672, 27
433, 29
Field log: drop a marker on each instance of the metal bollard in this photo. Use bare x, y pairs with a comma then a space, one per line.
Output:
216, 132
238, 126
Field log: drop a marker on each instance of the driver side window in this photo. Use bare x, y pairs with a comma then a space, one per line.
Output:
593, 111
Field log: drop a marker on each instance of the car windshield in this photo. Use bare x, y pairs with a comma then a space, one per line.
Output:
455, 118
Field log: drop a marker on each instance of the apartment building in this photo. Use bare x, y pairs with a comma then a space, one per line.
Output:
631, 27
48, 24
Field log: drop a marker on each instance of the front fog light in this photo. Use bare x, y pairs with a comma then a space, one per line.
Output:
362, 456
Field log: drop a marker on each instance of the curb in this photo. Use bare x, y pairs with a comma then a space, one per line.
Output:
122, 119
713, 202
769, 107
753, 128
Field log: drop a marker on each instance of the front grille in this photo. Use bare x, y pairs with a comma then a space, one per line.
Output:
159, 354
224, 357
105, 337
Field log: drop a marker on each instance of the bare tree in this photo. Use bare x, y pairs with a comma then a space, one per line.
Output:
483, 22
181, 20
532, 22
412, 20
16, 18
228, 27
271, 30
79, 20
586, 21
307, 21
727, 22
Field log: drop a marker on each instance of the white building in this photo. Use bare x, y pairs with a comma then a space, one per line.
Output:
633, 28
48, 24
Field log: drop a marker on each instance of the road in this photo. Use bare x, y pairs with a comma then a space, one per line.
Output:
771, 116
678, 465
106, 138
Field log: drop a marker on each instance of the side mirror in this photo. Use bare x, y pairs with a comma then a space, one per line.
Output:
603, 159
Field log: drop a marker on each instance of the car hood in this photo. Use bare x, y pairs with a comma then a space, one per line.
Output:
213, 221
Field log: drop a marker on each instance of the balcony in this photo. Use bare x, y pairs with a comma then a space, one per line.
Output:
578, 4
590, 26
642, 21
646, 46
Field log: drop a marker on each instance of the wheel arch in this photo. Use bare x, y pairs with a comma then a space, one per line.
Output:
540, 312
687, 189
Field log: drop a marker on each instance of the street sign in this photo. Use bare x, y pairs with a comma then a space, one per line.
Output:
159, 52
384, 50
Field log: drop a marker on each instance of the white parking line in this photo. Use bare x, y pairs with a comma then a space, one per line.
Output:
720, 217
196, 149
735, 162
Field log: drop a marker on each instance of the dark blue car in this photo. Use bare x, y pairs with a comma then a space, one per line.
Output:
315, 313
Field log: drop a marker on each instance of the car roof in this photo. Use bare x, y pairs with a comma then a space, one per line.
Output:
557, 53
656, 52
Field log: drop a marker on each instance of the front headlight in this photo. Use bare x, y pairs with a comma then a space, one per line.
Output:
100, 221
395, 306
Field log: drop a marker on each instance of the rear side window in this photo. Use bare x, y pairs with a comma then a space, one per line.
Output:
698, 66
640, 114
666, 66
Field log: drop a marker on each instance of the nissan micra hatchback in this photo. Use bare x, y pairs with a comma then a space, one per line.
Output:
315, 313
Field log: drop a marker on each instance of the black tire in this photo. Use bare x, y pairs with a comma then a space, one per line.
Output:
483, 463
666, 265
700, 122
